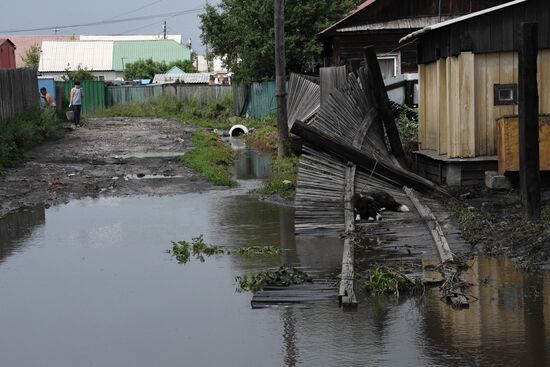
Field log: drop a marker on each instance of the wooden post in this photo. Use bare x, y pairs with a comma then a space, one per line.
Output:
346, 293
382, 103
280, 78
529, 121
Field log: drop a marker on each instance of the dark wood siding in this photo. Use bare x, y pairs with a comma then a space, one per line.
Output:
384, 10
346, 48
493, 32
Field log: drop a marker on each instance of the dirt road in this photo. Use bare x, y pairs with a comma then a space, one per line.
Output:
106, 157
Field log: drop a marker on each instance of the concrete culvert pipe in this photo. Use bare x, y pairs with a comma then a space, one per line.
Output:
237, 130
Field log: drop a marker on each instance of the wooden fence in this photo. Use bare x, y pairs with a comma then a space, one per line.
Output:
201, 94
18, 91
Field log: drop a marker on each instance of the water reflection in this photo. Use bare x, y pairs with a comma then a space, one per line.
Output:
249, 163
108, 294
15, 226
508, 326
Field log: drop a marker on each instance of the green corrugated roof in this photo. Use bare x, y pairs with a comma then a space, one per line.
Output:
161, 50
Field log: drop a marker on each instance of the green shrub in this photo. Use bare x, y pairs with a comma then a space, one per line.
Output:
211, 158
25, 131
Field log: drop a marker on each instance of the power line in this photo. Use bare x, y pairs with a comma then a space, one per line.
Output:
129, 12
104, 22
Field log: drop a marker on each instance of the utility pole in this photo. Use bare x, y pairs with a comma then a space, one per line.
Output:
164, 30
280, 78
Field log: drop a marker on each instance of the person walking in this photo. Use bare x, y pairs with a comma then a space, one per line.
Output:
77, 95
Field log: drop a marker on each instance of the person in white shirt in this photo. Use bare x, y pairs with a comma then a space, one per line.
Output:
76, 102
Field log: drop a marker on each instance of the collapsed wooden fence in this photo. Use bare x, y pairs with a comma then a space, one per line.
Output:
344, 122
18, 91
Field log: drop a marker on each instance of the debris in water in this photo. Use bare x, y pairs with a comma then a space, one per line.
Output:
384, 280
258, 250
284, 276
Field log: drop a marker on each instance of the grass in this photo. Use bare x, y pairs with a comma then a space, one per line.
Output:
211, 158
283, 180
213, 115
383, 280
506, 233
25, 131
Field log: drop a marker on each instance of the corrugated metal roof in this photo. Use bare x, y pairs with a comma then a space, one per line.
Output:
458, 20
93, 55
23, 43
130, 37
125, 52
187, 78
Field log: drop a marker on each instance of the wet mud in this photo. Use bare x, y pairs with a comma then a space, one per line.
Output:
105, 158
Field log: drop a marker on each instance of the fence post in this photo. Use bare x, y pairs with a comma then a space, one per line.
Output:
529, 121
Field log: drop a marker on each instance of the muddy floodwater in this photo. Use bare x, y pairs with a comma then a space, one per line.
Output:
91, 283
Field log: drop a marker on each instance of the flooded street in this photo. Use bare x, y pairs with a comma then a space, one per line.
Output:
91, 283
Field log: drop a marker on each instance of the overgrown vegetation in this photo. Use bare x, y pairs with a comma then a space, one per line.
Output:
32, 56
215, 114
265, 137
407, 123
505, 232
283, 180
146, 69
211, 158
258, 251
284, 276
182, 250
383, 280
25, 131
79, 74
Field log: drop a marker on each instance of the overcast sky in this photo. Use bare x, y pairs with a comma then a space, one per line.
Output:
27, 14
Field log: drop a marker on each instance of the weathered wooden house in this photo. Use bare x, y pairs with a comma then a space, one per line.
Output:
382, 23
468, 74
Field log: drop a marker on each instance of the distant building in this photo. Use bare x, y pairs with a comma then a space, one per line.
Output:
23, 43
7, 54
185, 78
106, 59
216, 65
174, 70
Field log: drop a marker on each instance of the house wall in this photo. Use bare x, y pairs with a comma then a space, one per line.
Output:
457, 115
496, 31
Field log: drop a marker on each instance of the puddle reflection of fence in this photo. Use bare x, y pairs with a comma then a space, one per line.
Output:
16, 226
251, 164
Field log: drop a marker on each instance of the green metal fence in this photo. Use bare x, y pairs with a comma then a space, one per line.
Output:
94, 94
255, 100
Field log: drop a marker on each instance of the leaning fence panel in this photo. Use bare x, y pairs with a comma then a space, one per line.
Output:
18, 91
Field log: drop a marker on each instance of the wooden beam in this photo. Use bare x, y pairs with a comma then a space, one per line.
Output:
529, 121
382, 103
346, 295
387, 172
445, 253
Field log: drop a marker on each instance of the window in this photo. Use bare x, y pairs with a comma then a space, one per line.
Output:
101, 77
505, 94
389, 66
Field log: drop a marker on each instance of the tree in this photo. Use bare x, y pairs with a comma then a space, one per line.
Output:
32, 56
185, 65
243, 32
144, 69
81, 73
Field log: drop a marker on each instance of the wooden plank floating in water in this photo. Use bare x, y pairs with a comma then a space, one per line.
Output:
318, 291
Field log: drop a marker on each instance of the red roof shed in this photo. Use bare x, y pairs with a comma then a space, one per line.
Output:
7, 54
